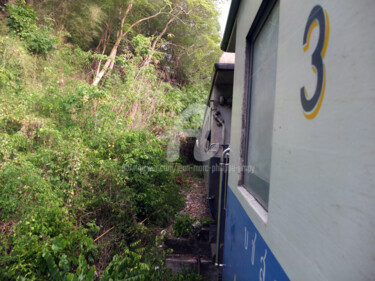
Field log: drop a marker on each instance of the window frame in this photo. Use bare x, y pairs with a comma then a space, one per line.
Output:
261, 18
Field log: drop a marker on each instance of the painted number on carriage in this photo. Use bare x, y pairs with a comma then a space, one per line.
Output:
317, 18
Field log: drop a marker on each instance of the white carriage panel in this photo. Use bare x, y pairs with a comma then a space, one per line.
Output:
321, 216
322, 181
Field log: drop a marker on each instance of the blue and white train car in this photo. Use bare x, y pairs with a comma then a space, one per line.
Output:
300, 200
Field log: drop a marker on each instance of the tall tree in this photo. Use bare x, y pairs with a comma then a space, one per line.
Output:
122, 33
185, 13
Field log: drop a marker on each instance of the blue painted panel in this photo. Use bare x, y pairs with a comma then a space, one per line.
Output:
246, 254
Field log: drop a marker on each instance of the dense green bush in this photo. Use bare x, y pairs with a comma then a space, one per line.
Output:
22, 22
184, 225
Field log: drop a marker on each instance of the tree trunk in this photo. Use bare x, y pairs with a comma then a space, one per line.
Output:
104, 38
111, 59
112, 55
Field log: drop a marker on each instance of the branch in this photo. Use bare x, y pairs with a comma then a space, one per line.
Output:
182, 47
171, 20
96, 239
125, 16
144, 19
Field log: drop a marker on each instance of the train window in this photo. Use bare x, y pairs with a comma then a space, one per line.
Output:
262, 57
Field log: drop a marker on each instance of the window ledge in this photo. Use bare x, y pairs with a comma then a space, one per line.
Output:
262, 213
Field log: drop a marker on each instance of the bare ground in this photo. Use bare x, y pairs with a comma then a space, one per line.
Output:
195, 198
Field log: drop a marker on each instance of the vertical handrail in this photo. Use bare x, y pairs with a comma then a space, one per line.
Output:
222, 189
226, 179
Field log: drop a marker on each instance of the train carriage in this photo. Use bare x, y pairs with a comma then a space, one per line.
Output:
216, 128
300, 200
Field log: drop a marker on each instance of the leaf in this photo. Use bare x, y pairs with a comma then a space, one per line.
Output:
64, 264
91, 274
52, 268
58, 244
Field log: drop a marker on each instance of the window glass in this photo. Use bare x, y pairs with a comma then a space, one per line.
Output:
261, 107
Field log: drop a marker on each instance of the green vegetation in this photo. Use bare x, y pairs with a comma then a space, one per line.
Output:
22, 21
70, 152
183, 226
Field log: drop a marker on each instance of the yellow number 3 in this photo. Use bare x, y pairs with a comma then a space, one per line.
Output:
317, 17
